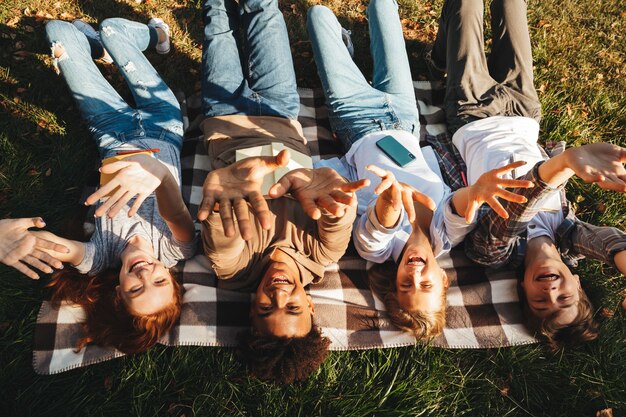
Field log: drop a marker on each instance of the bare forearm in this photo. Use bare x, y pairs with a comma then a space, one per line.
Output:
555, 171
173, 210
460, 201
76, 248
385, 213
620, 261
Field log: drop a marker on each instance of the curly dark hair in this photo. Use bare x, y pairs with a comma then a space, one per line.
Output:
582, 329
282, 360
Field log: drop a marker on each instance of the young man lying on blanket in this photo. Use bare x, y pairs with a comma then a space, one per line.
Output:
285, 245
397, 221
493, 110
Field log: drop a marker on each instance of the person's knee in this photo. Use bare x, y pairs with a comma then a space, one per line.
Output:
56, 32
251, 6
318, 14
470, 7
376, 5
110, 27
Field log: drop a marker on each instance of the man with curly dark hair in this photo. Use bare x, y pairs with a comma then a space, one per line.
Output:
279, 246
283, 359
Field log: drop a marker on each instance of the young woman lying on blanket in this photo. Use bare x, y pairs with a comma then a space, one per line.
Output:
494, 109
397, 221
143, 223
286, 244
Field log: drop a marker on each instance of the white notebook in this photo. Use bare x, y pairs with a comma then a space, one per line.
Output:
296, 160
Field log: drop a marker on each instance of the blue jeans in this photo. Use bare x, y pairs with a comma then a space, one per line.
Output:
257, 79
356, 107
112, 122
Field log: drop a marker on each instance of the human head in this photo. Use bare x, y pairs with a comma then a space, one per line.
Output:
555, 306
108, 320
420, 284
282, 360
413, 290
145, 285
423, 324
281, 307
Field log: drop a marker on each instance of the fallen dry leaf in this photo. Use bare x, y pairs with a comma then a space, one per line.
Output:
607, 412
607, 312
67, 16
42, 16
13, 22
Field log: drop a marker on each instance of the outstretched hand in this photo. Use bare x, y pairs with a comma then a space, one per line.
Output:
136, 176
396, 194
600, 163
489, 186
20, 249
234, 186
318, 189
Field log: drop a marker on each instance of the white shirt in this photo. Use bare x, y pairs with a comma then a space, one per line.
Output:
496, 141
375, 242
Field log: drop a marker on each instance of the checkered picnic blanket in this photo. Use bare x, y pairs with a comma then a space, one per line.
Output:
483, 309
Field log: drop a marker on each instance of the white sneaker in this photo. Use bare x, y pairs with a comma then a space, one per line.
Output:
161, 47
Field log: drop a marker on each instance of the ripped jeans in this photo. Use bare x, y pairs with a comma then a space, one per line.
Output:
355, 107
112, 122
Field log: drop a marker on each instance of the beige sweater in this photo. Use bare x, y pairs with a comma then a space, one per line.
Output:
312, 244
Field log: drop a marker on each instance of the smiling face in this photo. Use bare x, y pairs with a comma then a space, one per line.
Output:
421, 283
551, 290
281, 307
145, 284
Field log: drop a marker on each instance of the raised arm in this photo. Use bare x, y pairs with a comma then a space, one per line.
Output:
23, 249
492, 242
600, 163
393, 195
138, 176
318, 189
490, 185
234, 186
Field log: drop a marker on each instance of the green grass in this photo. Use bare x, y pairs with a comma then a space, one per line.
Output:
580, 69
